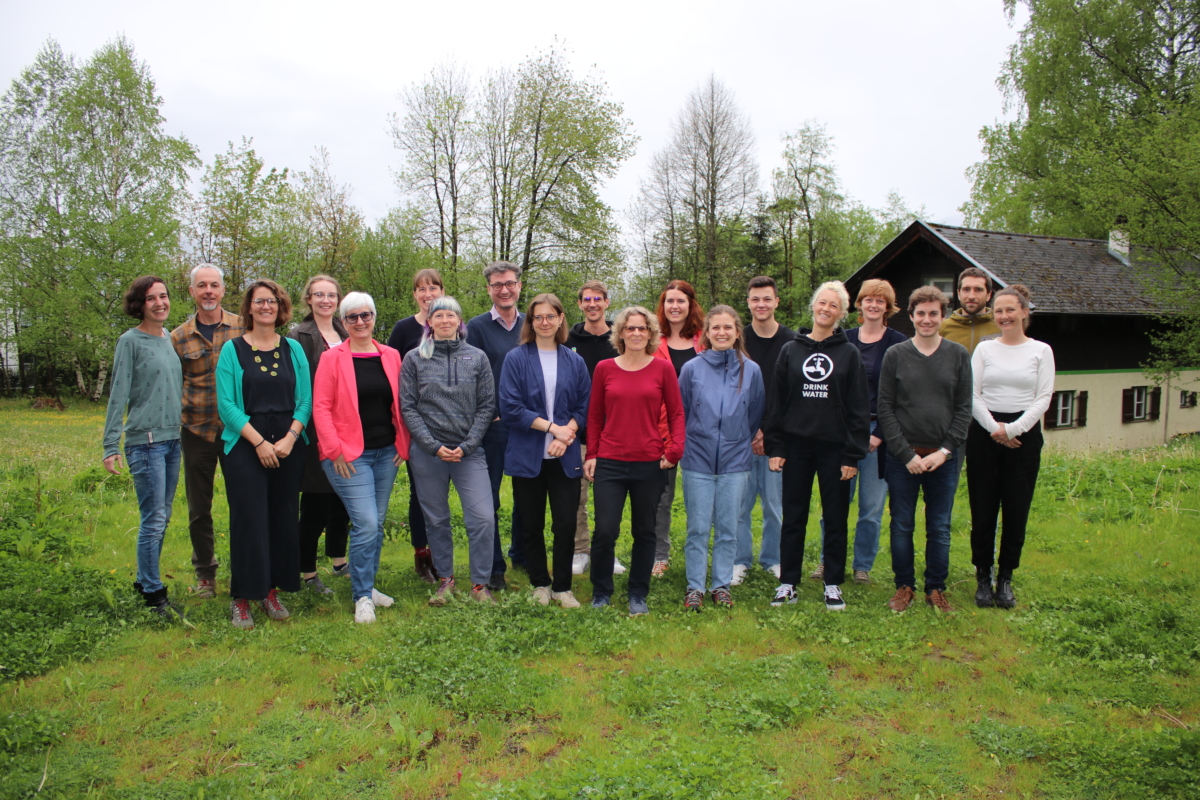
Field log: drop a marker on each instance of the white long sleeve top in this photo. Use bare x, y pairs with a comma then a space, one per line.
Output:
1012, 379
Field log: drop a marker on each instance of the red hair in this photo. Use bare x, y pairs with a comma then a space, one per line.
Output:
695, 317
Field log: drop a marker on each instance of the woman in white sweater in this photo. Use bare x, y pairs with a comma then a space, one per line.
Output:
1014, 382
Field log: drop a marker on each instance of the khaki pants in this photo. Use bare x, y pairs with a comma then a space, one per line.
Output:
583, 539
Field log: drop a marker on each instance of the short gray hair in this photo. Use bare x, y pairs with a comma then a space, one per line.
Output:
198, 267
497, 267
356, 301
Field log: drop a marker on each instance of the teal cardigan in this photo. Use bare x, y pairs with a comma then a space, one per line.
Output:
232, 408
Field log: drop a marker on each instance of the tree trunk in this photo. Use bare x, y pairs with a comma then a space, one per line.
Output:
101, 377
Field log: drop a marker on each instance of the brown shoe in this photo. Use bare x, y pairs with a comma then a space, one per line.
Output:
901, 600
423, 562
937, 599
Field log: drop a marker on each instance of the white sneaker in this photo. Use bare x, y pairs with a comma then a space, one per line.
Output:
380, 599
542, 595
364, 610
618, 568
565, 599
579, 563
739, 574
775, 570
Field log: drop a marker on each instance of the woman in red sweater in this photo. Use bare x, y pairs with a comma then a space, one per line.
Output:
627, 456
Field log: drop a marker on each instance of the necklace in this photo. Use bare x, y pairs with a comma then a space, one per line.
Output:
259, 359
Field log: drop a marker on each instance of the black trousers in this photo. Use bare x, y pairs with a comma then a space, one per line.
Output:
642, 482
264, 526
999, 476
807, 458
200, 460
416, 519
530, 495
322, 511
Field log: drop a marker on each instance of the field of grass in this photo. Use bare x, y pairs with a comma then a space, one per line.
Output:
1090, 688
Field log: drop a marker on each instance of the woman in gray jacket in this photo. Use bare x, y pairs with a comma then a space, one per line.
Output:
448, 399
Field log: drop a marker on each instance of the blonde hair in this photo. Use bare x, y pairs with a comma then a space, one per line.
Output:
838, 288
622, 318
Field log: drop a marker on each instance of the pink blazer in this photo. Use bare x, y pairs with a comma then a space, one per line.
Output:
335, 403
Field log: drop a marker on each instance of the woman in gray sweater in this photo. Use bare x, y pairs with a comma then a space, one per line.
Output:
448, 399
145, 403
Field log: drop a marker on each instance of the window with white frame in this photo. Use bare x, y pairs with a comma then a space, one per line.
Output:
1064, 409
942, 283
1141, 403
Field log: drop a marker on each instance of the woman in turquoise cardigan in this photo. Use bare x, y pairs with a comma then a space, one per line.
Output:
264, 399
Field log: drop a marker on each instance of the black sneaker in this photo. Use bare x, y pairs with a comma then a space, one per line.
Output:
833, 598
693, 600
317, 585
785, 594
601, 601
497, 583
341, 570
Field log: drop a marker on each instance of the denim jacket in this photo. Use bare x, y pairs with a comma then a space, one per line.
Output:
721, 420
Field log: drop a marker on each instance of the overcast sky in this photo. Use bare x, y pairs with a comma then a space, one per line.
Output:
903, 87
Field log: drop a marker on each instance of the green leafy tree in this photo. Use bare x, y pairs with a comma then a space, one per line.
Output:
95, 204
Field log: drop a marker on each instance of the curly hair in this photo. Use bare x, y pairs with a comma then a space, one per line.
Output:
135, 295
622, 319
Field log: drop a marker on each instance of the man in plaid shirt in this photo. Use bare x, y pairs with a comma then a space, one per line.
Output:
198, 343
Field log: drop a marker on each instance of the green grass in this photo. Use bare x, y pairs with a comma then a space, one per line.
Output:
1088, 689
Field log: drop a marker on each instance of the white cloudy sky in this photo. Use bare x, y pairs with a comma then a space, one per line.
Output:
902, 86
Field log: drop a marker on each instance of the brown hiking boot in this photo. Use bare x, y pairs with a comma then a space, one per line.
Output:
937, 599
423, 562
901, 600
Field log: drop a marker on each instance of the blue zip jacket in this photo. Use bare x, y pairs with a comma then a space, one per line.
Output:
721, 421
523, 399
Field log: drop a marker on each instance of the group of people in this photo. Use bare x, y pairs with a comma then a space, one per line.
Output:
311, 428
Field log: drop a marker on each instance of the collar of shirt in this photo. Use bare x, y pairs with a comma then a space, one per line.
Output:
496, 316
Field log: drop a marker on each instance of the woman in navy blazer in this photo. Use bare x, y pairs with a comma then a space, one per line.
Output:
544, 390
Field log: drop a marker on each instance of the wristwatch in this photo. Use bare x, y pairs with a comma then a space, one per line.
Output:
945, 452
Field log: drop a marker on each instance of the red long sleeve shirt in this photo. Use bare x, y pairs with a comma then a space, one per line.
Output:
624, 413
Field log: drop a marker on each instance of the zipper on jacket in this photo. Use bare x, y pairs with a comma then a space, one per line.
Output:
721, 417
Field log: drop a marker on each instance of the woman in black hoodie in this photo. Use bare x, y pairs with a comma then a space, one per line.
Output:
818, 423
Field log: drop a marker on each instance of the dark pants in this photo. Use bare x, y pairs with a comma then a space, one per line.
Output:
530, 495
642, 482
494, 443
937, 488
322, 511
200, 459
264, 510
807, 458
1001, 476
416, 519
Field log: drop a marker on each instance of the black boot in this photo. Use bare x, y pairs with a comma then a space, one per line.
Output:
1004, 593
158, 603
984, 598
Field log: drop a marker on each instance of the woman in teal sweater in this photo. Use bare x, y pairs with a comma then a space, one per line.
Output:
264, 399
147, 382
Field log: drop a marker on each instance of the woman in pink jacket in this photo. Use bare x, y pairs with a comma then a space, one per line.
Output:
362, 439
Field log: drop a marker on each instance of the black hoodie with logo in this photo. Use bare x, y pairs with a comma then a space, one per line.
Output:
820, 393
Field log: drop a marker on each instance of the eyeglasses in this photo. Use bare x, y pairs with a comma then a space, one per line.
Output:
264, 301
551, 318
498, 285
636, 328
323, 295
592, 299
365, 316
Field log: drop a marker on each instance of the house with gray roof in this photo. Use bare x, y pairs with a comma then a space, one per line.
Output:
1090, 306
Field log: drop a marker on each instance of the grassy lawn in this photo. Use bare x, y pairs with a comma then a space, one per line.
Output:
1088, 689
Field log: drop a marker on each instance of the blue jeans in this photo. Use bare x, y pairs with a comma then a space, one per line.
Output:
365, 494
713, 502
154, 468
769, 486
939, 487
495, 441
872, 492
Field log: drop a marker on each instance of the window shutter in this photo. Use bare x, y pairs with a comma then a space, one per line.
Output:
1127, 405
1155, 403
1050, 418
1192, 400
1081, 409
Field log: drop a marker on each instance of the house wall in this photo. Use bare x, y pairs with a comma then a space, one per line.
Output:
1105, 430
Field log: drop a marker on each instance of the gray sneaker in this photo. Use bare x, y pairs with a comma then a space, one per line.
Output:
318, 586
601, 601
273, 607
239, 614
637, 606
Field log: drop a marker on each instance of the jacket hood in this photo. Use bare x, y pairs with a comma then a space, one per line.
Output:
961, 317
838, 337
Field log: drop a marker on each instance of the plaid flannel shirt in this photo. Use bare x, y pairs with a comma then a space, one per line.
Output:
199, 358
